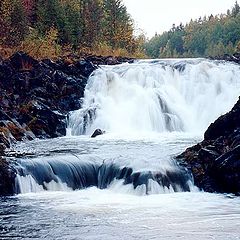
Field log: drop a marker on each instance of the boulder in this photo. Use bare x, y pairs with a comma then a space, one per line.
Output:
226, 171
43, 121
85, 67
97, 132
226, 57
215, 162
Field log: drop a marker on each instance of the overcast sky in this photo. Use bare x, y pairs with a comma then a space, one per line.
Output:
159, 15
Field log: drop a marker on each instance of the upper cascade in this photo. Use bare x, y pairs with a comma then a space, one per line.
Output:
157, 96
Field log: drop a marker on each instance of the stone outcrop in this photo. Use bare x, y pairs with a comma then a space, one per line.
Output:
215, 162
37, 95
230, 58
97, 132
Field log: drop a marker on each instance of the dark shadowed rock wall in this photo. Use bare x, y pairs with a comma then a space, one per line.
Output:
215, 162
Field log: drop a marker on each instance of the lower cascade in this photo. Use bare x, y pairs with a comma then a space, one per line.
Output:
161, 97
72, 174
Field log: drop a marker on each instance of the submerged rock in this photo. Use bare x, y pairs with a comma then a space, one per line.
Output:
215, 162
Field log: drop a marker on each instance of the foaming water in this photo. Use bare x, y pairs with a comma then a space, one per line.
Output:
73, 163
108, 214
157, 96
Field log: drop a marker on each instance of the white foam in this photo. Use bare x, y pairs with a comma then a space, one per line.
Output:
146, 97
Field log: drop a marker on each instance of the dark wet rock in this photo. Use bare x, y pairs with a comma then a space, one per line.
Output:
36, 96
180, 66
4, 142
225, 124
215, 162
44, 122
85, 67
97, 132
108, 60
226, 170
230, 58
22, 62
7, 178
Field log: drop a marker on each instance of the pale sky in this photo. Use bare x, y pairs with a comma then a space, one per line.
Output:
159, 15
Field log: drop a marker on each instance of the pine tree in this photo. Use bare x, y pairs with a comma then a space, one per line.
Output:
49, 14
13, 22
71, 32
236, 9
118, 26
92, 21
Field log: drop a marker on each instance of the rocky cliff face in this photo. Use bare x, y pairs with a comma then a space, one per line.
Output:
215, 162
37, 95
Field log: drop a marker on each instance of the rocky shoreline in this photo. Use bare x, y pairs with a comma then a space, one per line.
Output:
36, 97
215, 162
230, 58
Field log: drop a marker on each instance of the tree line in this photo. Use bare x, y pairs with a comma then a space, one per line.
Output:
46, 27
207, 36
51, 28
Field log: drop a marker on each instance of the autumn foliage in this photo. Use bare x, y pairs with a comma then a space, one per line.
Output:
46, 28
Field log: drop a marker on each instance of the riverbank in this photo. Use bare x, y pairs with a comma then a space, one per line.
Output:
215, 162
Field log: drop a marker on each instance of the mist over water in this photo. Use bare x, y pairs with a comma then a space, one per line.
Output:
126, 182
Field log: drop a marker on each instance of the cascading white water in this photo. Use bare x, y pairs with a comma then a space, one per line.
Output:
144, 97
157, 96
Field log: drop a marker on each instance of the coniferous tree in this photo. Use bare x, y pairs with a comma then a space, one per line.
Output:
13, 22
92, 15
118, 26
19, 25
236, 9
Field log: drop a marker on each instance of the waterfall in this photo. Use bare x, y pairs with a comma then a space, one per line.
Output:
157, 96
145, 97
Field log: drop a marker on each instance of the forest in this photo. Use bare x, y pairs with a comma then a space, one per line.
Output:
48, 28
53, 28
207, 36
